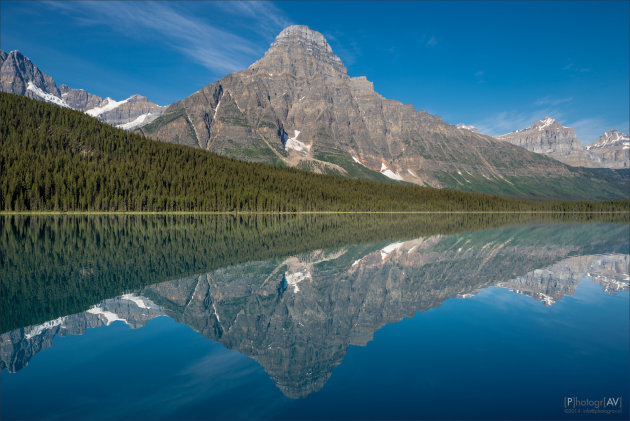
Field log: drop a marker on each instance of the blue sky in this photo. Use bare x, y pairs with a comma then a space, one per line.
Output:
497, 65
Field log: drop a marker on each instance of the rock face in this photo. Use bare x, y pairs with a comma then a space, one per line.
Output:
18, 75
549, 137
298, 105
611, 150
129, 113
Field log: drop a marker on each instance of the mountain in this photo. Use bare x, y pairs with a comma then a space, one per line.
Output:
298, 106
18, 75
549, 137
611, 150
76, 163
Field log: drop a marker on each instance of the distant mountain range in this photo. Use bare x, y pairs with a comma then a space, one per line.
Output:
612, 149
18, 75
297, 106
549, 137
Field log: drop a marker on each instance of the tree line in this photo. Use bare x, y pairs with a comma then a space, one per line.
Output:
57, 159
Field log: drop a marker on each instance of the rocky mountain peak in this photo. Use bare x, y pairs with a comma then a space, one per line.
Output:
609, 138
547, 123
292, 46
549, 137
303, 36
611, 149
16, 71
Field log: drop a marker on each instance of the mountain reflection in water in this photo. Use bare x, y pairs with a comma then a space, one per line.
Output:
298, 314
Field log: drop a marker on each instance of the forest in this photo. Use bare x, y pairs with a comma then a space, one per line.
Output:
57, 159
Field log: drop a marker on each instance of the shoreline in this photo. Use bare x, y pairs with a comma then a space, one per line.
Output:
71, 213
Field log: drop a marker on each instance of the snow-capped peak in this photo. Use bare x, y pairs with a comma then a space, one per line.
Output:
548, 121
611, 138
467, 127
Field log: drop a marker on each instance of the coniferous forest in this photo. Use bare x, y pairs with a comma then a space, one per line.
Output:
57, 159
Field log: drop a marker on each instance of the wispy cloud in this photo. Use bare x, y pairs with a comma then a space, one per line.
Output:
431, 42
215, 47
571, 67
549, 100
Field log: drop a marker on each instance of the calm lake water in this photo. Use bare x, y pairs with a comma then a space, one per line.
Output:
314, 317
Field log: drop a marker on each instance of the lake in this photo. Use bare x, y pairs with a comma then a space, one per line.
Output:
459, 316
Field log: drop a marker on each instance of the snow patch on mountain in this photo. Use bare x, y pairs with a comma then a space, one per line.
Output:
33, 331
296, 145
548, 121
108, 105
46, 97
387, 250
357, 160
135, 123
389, 173
467, 127
610, 138
107, 315
293, 279
137, 300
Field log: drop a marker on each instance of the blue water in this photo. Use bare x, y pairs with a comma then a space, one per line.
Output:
497, 355
509, 323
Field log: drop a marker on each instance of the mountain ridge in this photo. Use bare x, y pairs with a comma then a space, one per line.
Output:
19, 75
611, 149
550, 138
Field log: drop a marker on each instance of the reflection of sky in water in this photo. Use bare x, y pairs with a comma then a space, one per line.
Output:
494, 354
497, 349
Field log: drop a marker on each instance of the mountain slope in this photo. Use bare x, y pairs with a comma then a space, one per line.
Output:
18, 75
298, 105
611, 150
54, 158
